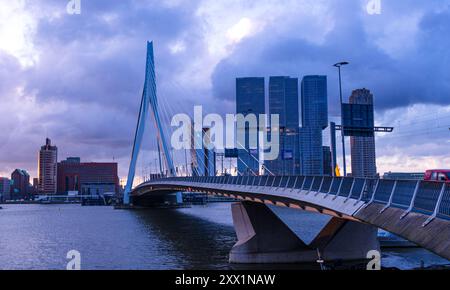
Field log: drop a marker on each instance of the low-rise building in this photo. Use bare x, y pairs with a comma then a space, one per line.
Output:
404, 175
20, 184
5, 189
87, 178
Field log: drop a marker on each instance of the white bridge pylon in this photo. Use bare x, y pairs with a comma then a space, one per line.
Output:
149, 100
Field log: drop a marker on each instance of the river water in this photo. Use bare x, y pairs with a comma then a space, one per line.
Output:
200, 237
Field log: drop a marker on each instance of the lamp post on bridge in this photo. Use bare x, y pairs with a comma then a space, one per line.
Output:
339, 65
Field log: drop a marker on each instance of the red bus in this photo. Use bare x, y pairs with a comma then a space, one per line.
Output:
437, 175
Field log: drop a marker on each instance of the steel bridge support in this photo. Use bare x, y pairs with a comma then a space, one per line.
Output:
264, 238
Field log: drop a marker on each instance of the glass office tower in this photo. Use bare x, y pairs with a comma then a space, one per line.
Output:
283, 100
250, 99
314, 120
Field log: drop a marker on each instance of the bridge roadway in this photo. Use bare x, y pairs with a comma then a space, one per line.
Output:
418, 211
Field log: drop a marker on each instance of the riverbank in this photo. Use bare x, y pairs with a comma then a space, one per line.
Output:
34, 202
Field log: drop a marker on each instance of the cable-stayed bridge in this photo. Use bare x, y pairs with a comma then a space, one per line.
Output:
418, 211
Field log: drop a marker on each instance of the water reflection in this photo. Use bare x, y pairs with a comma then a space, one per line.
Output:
197, 243
39, 237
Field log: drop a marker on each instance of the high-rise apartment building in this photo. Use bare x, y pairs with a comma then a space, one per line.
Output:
363, 148
250, 99
47, 168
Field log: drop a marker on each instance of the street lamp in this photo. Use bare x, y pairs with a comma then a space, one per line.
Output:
339, 65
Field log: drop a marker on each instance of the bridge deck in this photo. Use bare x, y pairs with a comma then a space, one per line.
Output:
416, 210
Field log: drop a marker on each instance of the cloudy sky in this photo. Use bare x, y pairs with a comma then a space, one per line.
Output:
78, 78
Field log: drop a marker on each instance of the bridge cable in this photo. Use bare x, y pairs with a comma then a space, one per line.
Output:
242, 147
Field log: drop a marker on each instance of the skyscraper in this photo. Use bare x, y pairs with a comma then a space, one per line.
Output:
363, 148
311, 151
250, 99
315, 102
47, 164
314, 120
283, 100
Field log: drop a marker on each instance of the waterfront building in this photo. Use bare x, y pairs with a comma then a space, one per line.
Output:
314, 101
5, 189
35, 185
250, 99
284, 101
20, 184
87, 178
404, 175
363, 148
47, 168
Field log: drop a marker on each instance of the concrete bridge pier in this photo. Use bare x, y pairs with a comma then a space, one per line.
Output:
264, 238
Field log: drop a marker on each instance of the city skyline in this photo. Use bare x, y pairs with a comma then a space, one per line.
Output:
41, 97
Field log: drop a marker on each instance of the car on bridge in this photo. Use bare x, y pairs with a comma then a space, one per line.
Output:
437, 175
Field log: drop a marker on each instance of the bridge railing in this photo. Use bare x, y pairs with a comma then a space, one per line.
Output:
444, 207
403, 193
426, 197
349, 187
